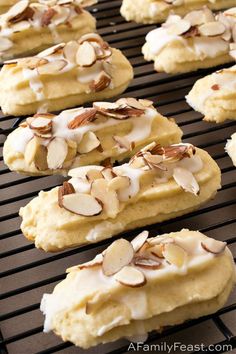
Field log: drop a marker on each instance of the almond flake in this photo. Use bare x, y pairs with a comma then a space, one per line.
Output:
88, 143
52, 50
157, 250
132, 102
5, 44
175, 254
47, 17
91, 37
119, 182
108, 173
130, 276
66, 188
97, 261
122, 142
31, 150
20, 26
211, 29
146, 263
179, 27
61, 16
16, 10
85, 55
106, 106
195, 18
186, 180
118, 255
101, 82
139, 240
109, 199
70, 51
93, 174
81, 204
41, 123
32, 62
213, 246
57, 152
52, 68
85, 116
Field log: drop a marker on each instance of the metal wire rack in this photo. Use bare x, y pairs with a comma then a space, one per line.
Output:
27, 273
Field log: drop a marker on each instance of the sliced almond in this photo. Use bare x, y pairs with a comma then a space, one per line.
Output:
52, 68
97, 261
85, 116
17, 9
147, 263
132, 102
118, 255
41, 123
66, 188
93, 174
108, 173
179, 27
130, 276
70, 51
89, 143
213, 246
175, 254
72, 152
82, 204
119, 182
85, 55
40, 159
139, 240
52, 50
57, 152
211, 29
61, 16
106, 106
101, 82
47, 17
31, 150
91, 37
32, 62
186, 180
157, 250
5, 44
109, 199
122, 142
195, 18
20, 26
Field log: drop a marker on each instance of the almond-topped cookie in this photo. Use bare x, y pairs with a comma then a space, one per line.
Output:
230, 148
64, 76
30, 27
198, 40
157, 184
50, 144
215, 95
132, 288
156, 11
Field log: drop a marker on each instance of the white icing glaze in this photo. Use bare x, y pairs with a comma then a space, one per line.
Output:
94, 281
209, 47
34, 82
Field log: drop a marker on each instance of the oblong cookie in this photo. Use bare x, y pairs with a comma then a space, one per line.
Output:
49, 144
159, 183
64, 76
156, 11
133, 288
200, 39
27, 28
215, 95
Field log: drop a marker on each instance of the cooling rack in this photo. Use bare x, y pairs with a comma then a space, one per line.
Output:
27, 273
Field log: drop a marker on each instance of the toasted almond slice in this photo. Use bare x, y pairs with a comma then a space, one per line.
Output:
5, 44
147, 263
130, 276
212, 29
119, 182
196, 18
52, 68
137, 162
20, 26
61, 16
31, 150
106, 106
139, 240
93, 174
52, 50
122, 142
40, 159
66, 188
157, 250
108, 173
41, 123
101, 82
85, 116
118, 255
106, 163
88, 143
70, 51
213, 246
57, 152
85, 55
32, 62
109, 199
97, 261
160, 240
132, 102
186, 180
82, 204
47, 17
91, 37
145, 103
179, 27
17, 9
175, 254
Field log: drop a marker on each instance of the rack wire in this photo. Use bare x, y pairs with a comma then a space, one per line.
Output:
27, 273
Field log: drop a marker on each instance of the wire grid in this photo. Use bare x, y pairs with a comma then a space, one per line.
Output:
27, 273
